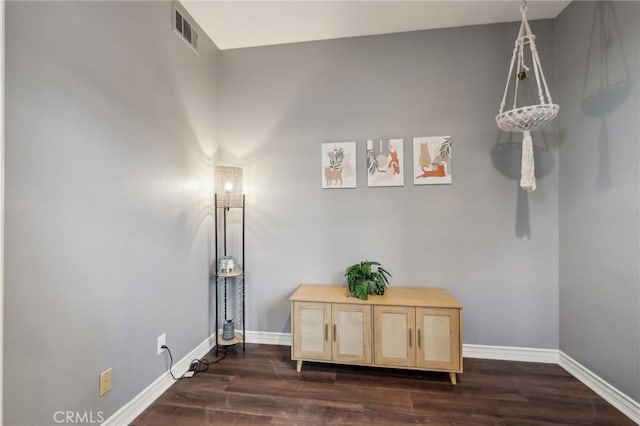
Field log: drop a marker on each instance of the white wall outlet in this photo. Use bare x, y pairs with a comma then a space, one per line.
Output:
162, 340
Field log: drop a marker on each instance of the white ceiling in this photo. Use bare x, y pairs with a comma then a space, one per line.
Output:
234, 24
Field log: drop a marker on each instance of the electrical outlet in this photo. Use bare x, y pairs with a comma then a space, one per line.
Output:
162, 340
105, 381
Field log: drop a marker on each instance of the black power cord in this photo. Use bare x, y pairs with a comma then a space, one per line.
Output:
196, 366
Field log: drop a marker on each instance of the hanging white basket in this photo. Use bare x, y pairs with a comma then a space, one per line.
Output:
527, 118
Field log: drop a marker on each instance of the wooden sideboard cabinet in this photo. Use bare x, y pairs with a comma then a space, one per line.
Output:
414, 328
339, 332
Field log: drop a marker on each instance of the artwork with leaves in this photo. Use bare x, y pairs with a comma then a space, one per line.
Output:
339, 165
432, 160
385, 165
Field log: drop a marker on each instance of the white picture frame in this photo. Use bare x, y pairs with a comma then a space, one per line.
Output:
432, 160
385, 162
338, 165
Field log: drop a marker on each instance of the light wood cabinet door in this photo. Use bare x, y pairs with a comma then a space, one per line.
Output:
310, 325
438, 332
351, 333
408, 327
394, 335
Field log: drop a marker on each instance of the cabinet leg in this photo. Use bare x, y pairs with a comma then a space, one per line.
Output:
299, 366
452, 376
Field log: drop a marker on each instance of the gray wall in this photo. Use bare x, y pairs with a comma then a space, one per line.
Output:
599, 197
112, 123
490, 244
110, 131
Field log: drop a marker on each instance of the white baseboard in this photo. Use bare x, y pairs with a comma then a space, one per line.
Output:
144, 399
504, 353
613, 396
510, 353
268, 338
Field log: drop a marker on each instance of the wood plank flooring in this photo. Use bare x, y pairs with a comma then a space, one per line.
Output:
261, 386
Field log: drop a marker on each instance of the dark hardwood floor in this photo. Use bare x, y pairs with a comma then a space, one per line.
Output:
261, 386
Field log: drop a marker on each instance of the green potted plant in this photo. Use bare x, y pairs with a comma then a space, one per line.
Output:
365, 278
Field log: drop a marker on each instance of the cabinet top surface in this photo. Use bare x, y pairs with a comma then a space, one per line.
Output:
404, 296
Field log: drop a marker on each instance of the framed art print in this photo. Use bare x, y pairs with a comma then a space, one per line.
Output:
339, 165
432, 160
385, 165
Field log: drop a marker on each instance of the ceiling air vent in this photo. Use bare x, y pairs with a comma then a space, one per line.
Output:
183, 27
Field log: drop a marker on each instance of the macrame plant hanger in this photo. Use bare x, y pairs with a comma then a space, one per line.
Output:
528, 118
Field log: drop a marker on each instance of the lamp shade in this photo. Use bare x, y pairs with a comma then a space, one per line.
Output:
228, 185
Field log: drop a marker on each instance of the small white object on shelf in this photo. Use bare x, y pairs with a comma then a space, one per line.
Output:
226, 265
